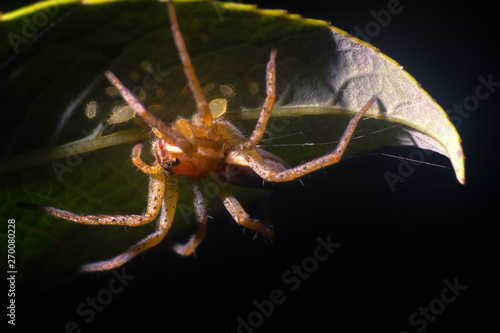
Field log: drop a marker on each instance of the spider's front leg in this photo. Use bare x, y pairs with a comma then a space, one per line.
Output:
156, 192
155, 196
168, 208
159, 127
204, 115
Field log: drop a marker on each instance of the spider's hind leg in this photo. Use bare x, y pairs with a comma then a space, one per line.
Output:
267, 108
331, 158
238, 213
200, 209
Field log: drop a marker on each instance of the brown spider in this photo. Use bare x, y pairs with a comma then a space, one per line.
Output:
199, 148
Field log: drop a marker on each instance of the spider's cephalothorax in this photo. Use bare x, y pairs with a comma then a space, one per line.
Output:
199, 148
208, 157
212, 156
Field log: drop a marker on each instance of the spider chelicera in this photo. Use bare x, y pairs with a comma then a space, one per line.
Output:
199, 148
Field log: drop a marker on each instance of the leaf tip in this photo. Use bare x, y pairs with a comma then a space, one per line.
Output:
459, 166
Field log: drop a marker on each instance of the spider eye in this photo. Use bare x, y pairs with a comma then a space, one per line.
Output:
168, 164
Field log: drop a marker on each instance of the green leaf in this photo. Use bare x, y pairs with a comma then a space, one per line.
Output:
53, 153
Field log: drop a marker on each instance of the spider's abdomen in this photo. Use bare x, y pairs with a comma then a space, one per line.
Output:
199, 165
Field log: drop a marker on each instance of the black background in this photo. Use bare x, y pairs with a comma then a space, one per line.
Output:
397, 247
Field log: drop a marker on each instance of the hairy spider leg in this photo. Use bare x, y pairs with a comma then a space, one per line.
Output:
156, 192
158, 126
200, 210
155, 196
238, 213
267, 108
194, 84
168, 207
331, 158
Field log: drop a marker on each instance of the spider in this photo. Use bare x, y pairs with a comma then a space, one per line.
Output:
198, 148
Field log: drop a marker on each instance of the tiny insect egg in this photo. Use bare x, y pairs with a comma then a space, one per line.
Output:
253, 87
227, 90
146, 66
159, 92
121, 114
134, 76
91, 109
208, 88
155, 108
218, 107
141, 93
112, 91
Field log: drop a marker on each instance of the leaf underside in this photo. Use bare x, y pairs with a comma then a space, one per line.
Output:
54, 154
